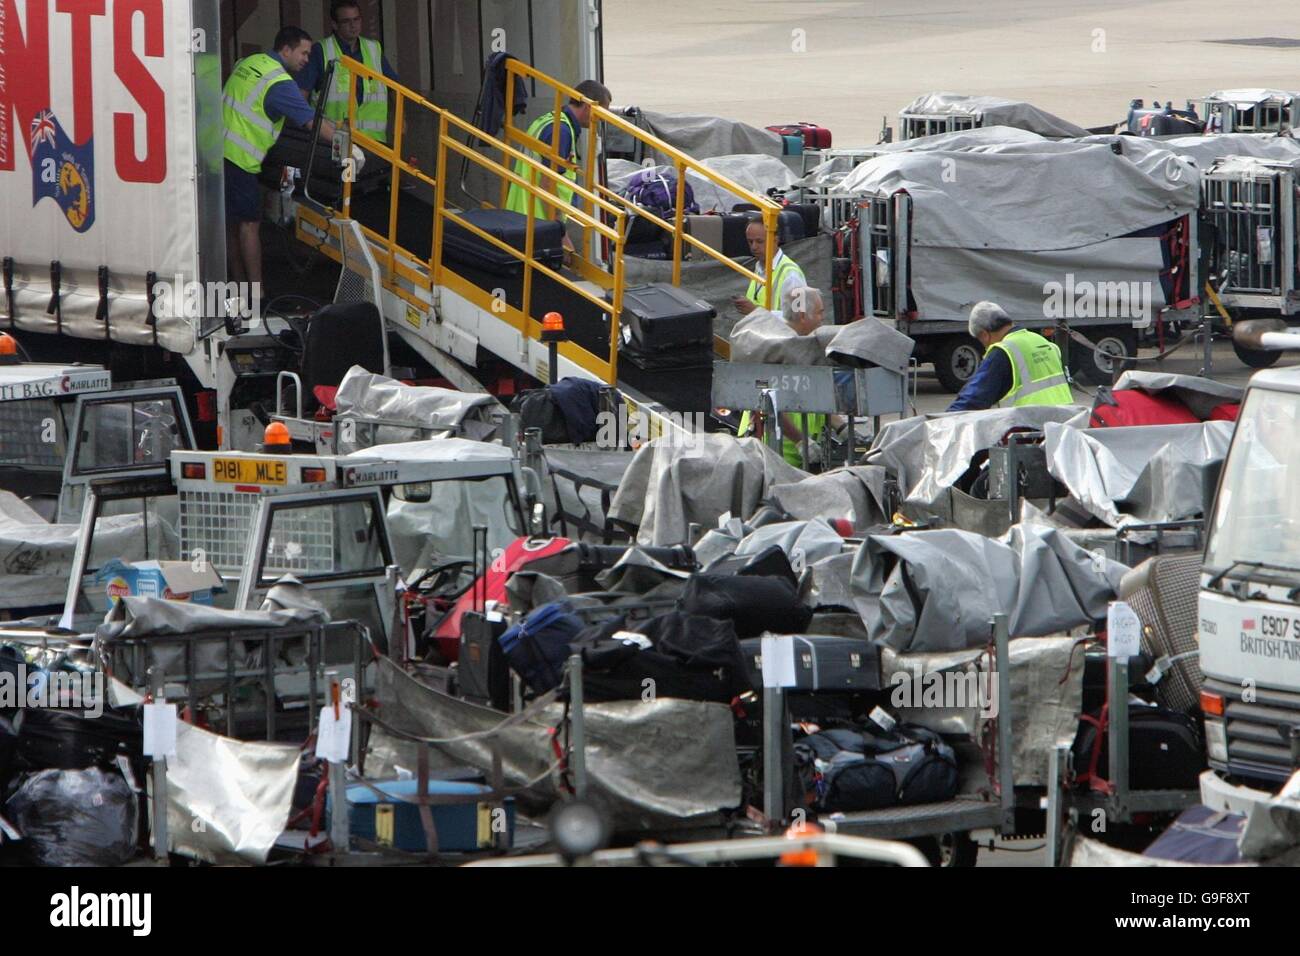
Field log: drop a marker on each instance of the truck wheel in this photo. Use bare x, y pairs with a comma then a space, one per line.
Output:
1111, 343
1256, 358
949, 850
955, 361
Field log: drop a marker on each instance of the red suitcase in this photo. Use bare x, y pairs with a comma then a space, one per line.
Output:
814, 136
1134, 407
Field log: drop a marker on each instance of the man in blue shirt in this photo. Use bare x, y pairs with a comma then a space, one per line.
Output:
348, 26
281, 101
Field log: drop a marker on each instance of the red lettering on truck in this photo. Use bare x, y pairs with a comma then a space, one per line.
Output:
25, 55
139, 82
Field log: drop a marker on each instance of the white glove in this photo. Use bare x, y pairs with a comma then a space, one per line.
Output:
358, 160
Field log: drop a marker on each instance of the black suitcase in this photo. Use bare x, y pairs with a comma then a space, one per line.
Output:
772, 561
690, 357
663, 318
461, 246
810, 213
823, 663
294, 147
51, 739
792, 223
752, 603
598, 557
482, 670
734, 243
1166, 749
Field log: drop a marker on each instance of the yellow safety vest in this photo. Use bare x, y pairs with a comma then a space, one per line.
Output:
372, 110
781, 270
791, 451
517, 197
250, 134
1037, 377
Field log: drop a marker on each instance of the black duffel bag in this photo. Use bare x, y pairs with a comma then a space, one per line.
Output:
865, 771
682, 655
753, 603
536, 408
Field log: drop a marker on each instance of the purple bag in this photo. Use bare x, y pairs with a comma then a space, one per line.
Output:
655, 190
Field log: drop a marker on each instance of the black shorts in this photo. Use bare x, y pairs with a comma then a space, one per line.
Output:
243, 195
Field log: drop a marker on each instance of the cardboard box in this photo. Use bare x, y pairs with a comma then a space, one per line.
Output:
169, 580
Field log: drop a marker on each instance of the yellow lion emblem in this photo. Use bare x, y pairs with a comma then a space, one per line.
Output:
72, 185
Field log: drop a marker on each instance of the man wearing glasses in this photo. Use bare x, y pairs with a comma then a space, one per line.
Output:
372, 96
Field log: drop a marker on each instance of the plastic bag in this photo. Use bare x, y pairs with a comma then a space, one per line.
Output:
75, 817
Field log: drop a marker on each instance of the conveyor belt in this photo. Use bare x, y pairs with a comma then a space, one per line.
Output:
682, 390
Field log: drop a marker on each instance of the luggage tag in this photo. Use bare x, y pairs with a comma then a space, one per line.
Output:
160, 730
631, 637
1123, 631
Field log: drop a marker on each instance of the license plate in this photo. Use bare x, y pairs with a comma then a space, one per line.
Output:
245, 471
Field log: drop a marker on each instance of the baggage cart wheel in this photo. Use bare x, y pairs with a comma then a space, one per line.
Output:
1111, 343
949, 849
955, 361
1256, 358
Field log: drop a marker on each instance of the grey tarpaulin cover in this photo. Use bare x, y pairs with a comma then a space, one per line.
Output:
929, 453
701, 137
1044, 701
134, 616
869, 341
407, 411
856, 493
1137, 475
710, 280
804, 542
831, 172
678, 480
1202, 151
977, 236
1248, 97
994, 111
240, 792
1200, 395
599, 470
765, 337
938, 590
36, 557
648, 762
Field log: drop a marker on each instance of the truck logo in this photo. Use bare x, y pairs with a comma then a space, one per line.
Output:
63, 171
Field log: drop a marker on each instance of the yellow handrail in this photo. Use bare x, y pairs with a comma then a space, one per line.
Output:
681, 162
536, 168
534, 185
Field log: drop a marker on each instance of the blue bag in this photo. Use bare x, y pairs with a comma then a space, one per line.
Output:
537, 647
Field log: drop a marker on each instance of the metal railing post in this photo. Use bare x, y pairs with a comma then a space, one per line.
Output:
1117, 716
578, 727
1006, 775
1057, 761
338, 785
774, 731
161, 837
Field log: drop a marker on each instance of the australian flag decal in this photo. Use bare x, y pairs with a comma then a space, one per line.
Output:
63, 170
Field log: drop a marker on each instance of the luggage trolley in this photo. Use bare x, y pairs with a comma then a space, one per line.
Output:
1249, 205
838, 207
1248, 111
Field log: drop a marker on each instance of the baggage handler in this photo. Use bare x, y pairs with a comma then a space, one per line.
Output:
785, 271
1020, 366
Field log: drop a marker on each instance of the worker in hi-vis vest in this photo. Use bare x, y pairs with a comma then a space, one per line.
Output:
256, 100
575, 116
786, 274
1020, 367
372, 96
804, 311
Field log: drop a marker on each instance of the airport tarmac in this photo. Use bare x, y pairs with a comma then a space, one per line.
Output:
845, 65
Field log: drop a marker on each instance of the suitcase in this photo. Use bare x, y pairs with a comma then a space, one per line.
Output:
388, 820
791, 223
461, 246
823, 664
482, 671
294, 147
792, 145
690, 357
51, 739
1166, 750
661, 318
810, 213
1201, 835
708, 230
734, 244
814, 136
